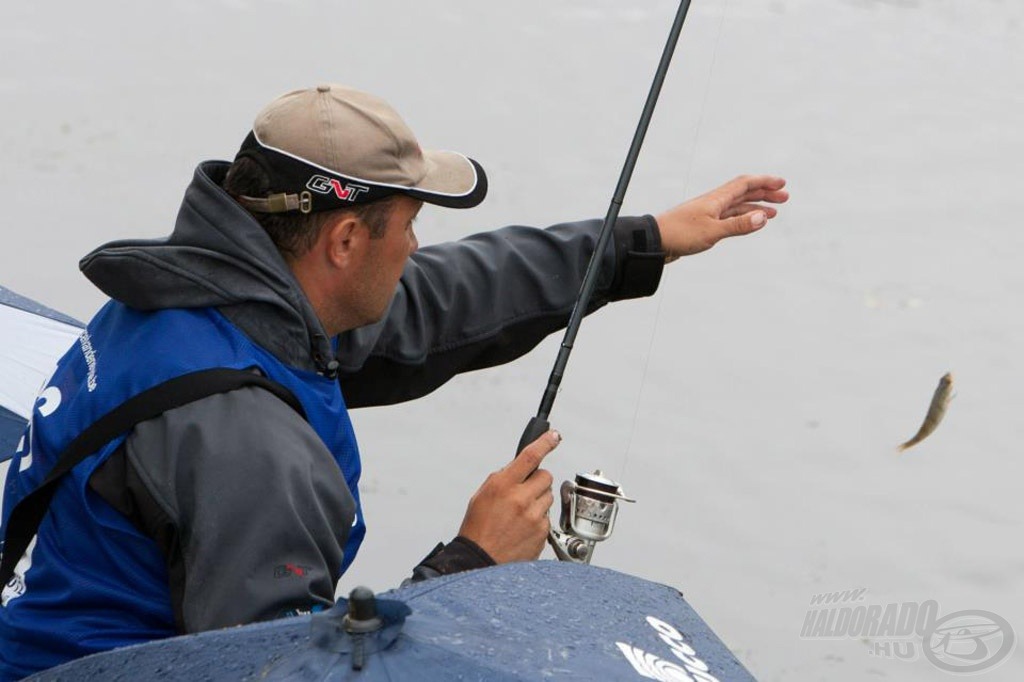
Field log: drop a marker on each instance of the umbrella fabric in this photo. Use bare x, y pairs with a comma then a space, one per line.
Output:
32, 339
526, 621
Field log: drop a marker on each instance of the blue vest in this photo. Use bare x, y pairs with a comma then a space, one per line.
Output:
91, 581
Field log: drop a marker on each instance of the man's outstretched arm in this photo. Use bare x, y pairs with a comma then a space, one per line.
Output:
488, 299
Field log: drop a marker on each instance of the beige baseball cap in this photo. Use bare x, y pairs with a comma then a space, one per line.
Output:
331, 146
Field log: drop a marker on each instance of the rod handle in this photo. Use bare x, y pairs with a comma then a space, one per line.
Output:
535, 428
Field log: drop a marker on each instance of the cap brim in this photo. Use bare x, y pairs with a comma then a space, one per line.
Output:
452, 180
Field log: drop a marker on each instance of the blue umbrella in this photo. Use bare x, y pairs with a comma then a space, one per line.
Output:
525, 621
32, 339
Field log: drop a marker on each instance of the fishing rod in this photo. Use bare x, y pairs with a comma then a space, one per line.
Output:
589, 505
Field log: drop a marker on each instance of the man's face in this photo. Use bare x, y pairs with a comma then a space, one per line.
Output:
386, 257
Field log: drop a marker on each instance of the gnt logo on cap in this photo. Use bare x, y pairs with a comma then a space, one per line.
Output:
325, 185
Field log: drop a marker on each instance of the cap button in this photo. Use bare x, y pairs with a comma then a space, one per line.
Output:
323, 88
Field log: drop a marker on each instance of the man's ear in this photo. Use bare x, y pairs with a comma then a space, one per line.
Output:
343, 240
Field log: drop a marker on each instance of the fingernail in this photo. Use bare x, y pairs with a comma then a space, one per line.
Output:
759, 219
557, 436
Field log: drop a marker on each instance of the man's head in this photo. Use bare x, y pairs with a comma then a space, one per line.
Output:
327, 166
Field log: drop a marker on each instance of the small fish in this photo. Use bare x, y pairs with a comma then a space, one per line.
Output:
936, 411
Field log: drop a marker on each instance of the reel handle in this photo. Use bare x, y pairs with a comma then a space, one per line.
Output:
535, 428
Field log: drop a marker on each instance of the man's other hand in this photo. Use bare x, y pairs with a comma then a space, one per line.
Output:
727, 211
508, 516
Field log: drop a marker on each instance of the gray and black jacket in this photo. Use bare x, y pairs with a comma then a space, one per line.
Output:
460, 306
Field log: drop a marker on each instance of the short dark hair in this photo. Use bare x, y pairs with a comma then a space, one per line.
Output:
294, 233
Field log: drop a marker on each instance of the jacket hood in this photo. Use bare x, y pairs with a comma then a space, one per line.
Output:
217, 256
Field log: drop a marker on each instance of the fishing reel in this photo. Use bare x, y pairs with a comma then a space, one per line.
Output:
588, 510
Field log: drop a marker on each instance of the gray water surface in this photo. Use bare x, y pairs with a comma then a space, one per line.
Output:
754, 405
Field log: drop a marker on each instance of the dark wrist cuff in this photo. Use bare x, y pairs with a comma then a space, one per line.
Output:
639, 259
461, 554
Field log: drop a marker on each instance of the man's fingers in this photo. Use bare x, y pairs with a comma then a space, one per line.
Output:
747, 208
542, 505
746, 223
772, 196
520, 468
753, 188
538, 483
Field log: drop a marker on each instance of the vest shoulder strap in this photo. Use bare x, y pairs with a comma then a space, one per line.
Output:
26, 516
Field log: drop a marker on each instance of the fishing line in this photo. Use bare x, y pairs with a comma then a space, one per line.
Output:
660, 295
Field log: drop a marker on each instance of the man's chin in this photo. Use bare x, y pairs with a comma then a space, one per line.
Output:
375, 317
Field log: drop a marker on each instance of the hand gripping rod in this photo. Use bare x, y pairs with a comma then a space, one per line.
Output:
539, 423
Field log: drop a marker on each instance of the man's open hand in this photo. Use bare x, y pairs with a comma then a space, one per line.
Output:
727, 211
508, 516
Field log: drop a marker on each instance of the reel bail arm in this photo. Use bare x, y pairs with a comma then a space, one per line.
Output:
589, 507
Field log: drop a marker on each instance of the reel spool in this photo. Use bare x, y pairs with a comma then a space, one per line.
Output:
589, 507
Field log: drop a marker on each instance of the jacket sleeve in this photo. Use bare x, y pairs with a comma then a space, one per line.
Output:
488, 299
461, 554
246, 502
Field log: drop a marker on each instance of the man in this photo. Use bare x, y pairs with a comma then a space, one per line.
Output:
292, 265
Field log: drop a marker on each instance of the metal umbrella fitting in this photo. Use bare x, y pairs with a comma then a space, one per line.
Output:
525, 621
